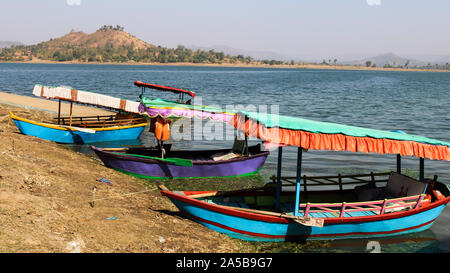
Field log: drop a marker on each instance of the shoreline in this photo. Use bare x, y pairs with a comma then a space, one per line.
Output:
241, 65
51, 106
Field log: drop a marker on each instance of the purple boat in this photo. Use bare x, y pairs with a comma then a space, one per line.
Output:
147, 162
161, 163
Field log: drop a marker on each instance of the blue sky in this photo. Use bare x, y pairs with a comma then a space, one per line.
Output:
291, 27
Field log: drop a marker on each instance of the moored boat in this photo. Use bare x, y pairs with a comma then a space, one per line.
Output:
162, 163
84, 132
125, 125
381, 204
252, 214
147, 163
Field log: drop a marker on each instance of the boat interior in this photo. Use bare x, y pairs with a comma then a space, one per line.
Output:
196, 156
99, 121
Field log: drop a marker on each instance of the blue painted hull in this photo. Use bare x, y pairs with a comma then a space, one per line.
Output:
254, 227
66, 135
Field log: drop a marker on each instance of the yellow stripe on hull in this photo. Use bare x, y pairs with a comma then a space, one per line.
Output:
57, 127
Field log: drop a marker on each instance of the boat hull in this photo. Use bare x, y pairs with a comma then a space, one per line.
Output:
254, 227
67, 135
152, 169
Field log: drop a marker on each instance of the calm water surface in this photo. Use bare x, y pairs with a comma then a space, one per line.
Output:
414, 102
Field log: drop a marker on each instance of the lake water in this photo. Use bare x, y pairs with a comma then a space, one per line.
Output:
414, 102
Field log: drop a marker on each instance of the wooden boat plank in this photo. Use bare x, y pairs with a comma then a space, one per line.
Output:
368, 213
356, 213
316, 215
326, 215
347, 214
87, 117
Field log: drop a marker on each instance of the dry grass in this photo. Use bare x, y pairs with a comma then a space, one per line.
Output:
45, 195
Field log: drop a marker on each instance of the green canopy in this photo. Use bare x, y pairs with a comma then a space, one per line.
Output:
295, 123
167, 109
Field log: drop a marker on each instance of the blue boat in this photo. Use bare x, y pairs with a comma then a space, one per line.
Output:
126, 124
348, 206
79, 135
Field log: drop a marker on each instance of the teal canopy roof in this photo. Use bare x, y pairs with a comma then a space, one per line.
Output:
295, 123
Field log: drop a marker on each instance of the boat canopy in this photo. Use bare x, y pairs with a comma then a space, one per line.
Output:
69, 94
315, 135
164, 88
168, 109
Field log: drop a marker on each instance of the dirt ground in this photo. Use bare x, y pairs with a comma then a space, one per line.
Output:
46, 191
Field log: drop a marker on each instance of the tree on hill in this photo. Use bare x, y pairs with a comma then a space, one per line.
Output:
406, 64
109, 27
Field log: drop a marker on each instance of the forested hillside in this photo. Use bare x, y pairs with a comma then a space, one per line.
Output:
112, 44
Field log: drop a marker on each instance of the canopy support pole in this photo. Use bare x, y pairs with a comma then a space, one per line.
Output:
399, 163
70, 120
246, 136
421, 169
59, 110
278, 188
298, 180
163, 152
246, 145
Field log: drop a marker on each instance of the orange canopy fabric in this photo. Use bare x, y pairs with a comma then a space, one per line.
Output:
340, 142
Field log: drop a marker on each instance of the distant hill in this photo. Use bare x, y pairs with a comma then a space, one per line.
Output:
104, 45
106, 36
4, 44
444, 60
112, 44
389, 59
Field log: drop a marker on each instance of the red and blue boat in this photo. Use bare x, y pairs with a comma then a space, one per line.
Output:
161, 162
347, 206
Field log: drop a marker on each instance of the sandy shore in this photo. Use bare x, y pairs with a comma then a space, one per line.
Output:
255, 65
49, 105
46, 192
